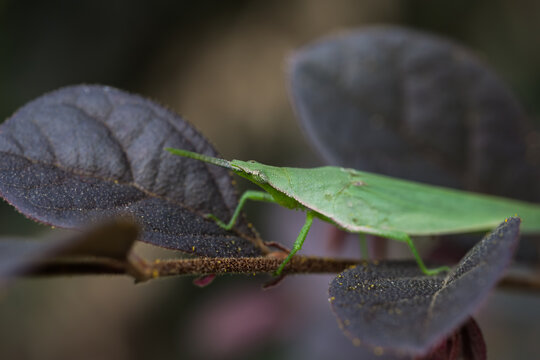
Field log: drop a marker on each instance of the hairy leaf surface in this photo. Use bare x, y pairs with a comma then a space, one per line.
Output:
392, 305
403, 103
83, 153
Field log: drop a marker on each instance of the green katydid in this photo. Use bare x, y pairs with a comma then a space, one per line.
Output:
366, 203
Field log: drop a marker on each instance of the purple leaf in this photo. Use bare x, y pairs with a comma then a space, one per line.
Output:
391, 305
466, 343
83, 153
473, 344
204, 280
412, 105
68, 254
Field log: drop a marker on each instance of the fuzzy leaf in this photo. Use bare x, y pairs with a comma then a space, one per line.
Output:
407, 104
392, 305
110, 241
83, 153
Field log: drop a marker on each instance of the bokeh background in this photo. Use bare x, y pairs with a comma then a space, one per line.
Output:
222, 65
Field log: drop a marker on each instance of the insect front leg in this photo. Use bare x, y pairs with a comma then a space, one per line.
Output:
248, 195
298, 242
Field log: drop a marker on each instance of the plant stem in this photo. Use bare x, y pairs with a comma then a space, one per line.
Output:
142, 270
248, 265
520, 283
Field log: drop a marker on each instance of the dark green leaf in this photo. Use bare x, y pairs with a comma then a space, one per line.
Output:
84, 153
407, 104
392, 305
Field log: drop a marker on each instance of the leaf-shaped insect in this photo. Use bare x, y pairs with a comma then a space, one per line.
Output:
366, 203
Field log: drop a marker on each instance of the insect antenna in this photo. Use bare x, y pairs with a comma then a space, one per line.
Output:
201, 157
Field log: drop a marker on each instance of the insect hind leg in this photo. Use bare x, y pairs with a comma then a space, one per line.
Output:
403, 237
419, 261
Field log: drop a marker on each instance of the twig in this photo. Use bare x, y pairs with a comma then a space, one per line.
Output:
141, 270
521, 283
246, 265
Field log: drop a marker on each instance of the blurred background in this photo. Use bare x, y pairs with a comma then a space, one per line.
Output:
222, 66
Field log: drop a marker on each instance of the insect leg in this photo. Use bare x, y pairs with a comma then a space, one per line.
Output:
418, 259
364, 248
248, 195
298, 242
